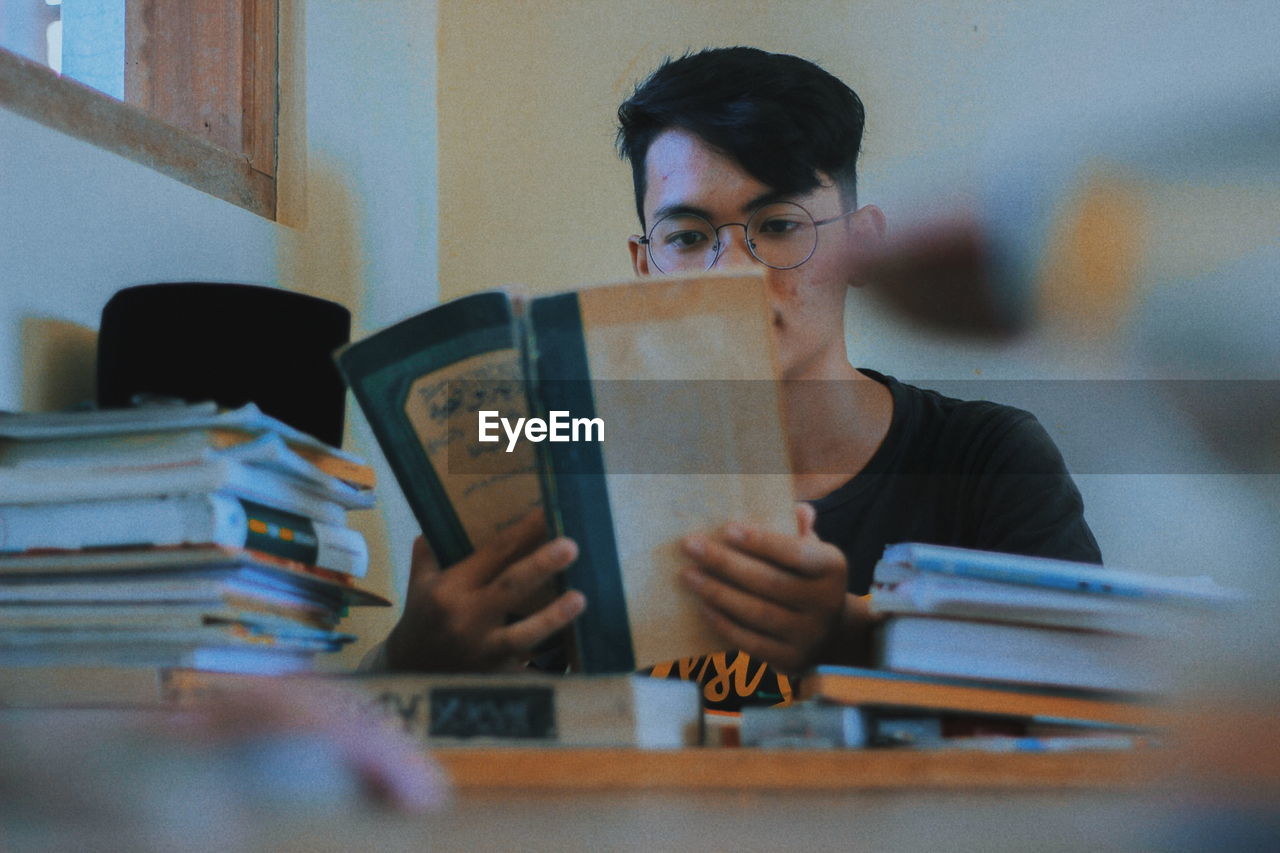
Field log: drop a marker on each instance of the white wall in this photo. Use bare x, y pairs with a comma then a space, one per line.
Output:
368, 232
358, 189
81, 223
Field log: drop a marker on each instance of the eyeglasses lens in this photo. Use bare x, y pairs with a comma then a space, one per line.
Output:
781, 235
683, 243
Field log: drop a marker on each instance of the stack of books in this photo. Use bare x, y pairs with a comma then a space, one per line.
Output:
175, 536
1028, 620
1001, 650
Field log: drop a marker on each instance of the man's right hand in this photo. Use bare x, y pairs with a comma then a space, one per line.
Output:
455, 619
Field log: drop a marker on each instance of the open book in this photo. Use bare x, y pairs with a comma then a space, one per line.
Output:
660, 415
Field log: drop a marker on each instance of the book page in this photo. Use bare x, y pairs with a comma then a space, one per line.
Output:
684, 374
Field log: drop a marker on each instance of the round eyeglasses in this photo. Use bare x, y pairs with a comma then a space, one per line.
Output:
781, 235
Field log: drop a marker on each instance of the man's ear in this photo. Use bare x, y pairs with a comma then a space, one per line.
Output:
639, 255
868, 230
870, 225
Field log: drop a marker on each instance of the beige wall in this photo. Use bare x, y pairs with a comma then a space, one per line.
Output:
358, 194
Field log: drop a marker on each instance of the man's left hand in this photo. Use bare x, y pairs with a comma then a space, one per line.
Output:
777, 597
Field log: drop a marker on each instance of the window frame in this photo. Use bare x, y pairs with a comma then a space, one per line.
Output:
245, 178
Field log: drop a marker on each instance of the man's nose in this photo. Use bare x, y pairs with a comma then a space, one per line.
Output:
734, 251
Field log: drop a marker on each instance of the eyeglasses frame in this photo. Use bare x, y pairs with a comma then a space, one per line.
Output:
647, 240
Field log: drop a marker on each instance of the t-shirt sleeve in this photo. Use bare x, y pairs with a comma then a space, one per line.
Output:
1027, 502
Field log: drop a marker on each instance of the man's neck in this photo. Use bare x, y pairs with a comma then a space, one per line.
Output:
836, 419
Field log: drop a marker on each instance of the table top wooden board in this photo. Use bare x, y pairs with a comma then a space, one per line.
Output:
764, 769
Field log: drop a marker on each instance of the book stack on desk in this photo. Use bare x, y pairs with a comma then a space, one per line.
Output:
175, 536
974, 642
1029, 620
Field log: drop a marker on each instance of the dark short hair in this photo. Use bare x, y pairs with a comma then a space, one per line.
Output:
782, 118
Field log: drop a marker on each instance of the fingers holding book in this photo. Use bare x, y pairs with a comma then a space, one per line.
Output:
777, 597
457, 619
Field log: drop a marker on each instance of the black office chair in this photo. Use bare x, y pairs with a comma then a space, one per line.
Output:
231, 343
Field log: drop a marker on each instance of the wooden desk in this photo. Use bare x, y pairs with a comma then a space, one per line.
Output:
747, 799
708, 799
729, 820
742, 769
692, 800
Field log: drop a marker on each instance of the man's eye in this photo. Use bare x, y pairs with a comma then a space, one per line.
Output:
778, 227
685, 239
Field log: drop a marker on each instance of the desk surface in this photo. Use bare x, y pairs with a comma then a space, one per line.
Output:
734, 821
802, 770
691, 800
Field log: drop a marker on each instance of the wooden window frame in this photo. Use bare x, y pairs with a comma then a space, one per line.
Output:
167, 124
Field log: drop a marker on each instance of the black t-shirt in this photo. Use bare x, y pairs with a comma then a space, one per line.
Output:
954, 472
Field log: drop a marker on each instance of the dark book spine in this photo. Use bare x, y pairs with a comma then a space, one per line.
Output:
574, 488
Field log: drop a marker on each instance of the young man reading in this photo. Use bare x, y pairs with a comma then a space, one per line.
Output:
745, 159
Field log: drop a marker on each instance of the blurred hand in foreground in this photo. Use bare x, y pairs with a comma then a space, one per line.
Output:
334, 723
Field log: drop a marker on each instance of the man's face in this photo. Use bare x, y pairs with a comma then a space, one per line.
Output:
808, 301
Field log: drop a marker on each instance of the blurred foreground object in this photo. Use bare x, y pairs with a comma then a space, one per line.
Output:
202, 779
1172, 211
